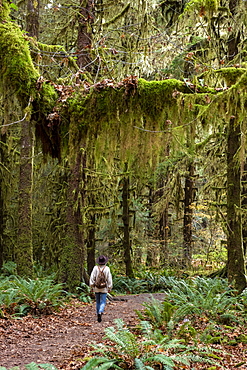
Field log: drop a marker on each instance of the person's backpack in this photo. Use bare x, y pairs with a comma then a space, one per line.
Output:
100, 281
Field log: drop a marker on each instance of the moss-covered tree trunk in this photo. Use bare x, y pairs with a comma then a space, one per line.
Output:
2, 200
126, 227
91, 240
163, 225
235, 263
188, 215
84, 38
24, 247
73, 253
244, 206
164, 235
149, 232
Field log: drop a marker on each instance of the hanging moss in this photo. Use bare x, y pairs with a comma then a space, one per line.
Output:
131, 123
231, 75
38, 47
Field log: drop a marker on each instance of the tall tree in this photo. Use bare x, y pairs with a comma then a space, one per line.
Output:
236, 262
2, 203
24, 248
126, 225
84, 37
72, 258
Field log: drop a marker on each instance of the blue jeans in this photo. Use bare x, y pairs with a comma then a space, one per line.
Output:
100, 302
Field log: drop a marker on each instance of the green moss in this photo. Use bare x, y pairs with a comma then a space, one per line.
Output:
4, 10
231, 74
208, 6
59, 50
118, 121
17, 70
162, 88
47, 98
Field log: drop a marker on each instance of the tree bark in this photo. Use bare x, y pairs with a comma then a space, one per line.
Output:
126, 225
244, 206
234, 37
84, 38
235, 262
32, 18
73, 254
164, 235
24, 248
91, 242
2, 200
188, 215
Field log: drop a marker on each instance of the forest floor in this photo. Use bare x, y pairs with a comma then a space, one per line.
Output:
63, 338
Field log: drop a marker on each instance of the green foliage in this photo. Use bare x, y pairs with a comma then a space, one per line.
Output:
128, 285
148, 283
83, 292
210, 297
20, 296
157, 312
8, 269
130, 350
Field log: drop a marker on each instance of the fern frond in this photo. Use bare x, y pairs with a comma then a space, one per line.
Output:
123, 338
162, 359
139, 365
47, 367
100, 363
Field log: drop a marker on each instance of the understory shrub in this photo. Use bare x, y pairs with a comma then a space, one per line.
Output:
149, 283
19, 296
129, 350
211, 298
202, 296
83, 292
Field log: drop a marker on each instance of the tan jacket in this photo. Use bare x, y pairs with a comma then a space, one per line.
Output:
94, 275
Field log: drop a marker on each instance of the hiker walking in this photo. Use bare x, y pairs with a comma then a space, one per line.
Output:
101, 283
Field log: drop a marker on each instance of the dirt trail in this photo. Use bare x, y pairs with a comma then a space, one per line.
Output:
62, 338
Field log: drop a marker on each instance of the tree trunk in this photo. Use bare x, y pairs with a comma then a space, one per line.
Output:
234, 37
149, 232
126, 224
84, 38
73, 254
24, 248
188, 215
235, 263
164, 235
91, 243
163, 225
32, 18
2, 203
244, 207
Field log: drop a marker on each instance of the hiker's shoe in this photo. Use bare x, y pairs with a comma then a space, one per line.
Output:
99, 317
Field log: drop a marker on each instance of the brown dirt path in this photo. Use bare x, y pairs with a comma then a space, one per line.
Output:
63, 338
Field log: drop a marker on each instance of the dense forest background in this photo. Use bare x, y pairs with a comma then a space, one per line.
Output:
133, 144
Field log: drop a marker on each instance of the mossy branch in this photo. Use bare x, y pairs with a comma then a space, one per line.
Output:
119, 15
58, 50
